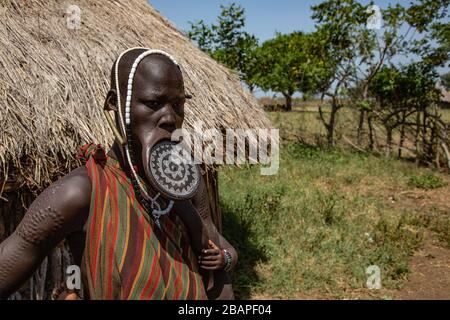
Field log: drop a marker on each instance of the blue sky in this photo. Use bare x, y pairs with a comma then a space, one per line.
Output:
264, 17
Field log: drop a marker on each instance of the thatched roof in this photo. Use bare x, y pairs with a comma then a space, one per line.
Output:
54, 79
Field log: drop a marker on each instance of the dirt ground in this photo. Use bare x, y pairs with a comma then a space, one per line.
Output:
430, 273
429, 278
430, 265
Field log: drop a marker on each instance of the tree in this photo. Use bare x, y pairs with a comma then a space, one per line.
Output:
203, 35
228, 43
248, 63
406, 33
445, 80
360, 51
340, 26
441, 32
428, 17
406, 97
278, 68
289, 63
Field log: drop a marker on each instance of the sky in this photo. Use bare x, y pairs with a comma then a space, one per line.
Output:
264, 17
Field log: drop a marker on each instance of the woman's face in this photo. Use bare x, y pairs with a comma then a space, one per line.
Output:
157, 105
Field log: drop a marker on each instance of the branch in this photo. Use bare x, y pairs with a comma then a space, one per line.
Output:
352, 144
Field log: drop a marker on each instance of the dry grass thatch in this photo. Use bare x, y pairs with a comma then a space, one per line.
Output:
54, 79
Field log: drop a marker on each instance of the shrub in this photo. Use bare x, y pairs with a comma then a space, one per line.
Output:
427, 181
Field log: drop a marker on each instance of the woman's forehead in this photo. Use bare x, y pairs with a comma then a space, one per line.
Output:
158, 75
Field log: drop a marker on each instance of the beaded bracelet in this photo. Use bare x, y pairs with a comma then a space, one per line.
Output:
228, 261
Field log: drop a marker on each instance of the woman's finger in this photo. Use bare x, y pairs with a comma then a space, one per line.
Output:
211, 257
211, 252
209, 268
209, 263
212, 245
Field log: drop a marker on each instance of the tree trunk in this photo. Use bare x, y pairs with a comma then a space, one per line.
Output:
371, 132
416, 138
402, 135
388, 140
288, 97
432, 142
332, 124
362, 114
423, 155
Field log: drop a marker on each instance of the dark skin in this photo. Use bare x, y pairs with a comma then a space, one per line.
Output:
211, 260
61, 211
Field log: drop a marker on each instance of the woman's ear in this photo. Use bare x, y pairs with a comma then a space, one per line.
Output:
111, 101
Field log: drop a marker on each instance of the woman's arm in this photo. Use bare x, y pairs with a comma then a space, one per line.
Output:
196, 229
61, 209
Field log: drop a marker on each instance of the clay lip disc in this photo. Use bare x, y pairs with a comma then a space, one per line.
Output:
172, 171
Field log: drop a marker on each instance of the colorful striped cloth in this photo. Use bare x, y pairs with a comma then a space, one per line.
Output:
126, 255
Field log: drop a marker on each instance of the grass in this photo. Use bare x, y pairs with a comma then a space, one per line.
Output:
427, 181
328, 215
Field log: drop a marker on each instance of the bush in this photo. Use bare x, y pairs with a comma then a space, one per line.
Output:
427, 181
300, 150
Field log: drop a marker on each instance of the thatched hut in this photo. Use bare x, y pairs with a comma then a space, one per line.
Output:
55, 61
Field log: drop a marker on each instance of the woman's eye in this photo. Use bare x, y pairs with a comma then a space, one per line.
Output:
152, 104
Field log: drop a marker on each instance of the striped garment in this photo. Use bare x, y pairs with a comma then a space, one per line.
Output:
126, 255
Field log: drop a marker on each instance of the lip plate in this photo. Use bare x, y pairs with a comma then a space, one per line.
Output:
159, 185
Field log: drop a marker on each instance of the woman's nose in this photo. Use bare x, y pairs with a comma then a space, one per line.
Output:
168, 119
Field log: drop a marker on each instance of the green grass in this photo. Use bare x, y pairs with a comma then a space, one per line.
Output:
319, 223
446, 115
427, 181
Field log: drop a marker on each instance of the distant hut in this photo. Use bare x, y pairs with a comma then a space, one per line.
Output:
55, 61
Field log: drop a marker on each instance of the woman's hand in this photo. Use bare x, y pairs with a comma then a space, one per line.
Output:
212, 258
68, 296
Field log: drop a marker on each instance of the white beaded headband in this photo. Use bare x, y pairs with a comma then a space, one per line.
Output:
131, 75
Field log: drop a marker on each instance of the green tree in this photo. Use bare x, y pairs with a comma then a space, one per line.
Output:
406, 98
441, 33
227, 42
341, 29
202, 34
359, 51
248, 64
289, 63
445, 80
430, 20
